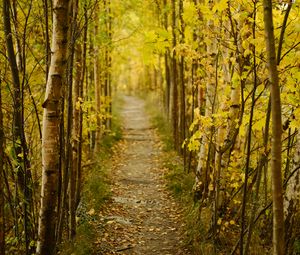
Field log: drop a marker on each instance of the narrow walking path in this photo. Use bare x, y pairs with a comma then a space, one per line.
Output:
142, 217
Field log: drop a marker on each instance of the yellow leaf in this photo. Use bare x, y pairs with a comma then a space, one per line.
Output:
91, 212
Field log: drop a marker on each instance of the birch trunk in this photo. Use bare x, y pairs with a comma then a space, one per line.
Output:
208, 102
277, 189
2, 222
51, 130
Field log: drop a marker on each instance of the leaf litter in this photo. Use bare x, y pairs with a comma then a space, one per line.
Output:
141, 217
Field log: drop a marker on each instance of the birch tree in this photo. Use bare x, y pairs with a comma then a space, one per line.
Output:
51, 130
277, 190
2, 224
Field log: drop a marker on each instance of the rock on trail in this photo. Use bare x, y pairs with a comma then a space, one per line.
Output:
142, 217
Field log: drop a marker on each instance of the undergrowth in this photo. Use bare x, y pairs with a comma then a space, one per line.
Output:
95, 192
181, 184
159, 122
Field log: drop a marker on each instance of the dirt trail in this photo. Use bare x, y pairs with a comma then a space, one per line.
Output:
142, 217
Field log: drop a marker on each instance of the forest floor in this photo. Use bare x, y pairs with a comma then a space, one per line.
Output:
141, 217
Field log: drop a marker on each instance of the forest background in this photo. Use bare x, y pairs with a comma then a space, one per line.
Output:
208, 65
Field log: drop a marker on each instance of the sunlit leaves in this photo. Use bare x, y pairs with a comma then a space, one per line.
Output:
190, 14
220, 6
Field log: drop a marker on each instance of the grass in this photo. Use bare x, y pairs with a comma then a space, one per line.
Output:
181, 184
160, 122
82, 244
95, 193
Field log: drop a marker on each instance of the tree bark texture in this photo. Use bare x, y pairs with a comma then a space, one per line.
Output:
182, 86
207, 101
51, 130
81, 95
97, 81
2, 222
71, 117
277, 189
75, 144
167, 67
175, 81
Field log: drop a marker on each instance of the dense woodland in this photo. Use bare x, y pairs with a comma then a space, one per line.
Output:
225, 74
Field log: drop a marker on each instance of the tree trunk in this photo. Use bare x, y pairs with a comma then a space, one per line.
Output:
18, 130
2, 221
175, 81
51, 131
167, 66
83, 72
75, 144
277, 189
182, 87
108, 63
292, 198
47, 41
72, 119
97, 81
207, 101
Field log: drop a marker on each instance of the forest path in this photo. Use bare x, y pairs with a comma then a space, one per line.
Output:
142, 217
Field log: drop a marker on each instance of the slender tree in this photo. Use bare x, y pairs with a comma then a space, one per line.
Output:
72, 172
97, 82
2, 222
81, 95
167, 64
182, 65
20, 144
51, 130
174, 80
47, 41
19, 139
277, 189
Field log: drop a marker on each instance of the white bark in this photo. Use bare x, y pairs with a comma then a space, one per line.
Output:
51, 131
